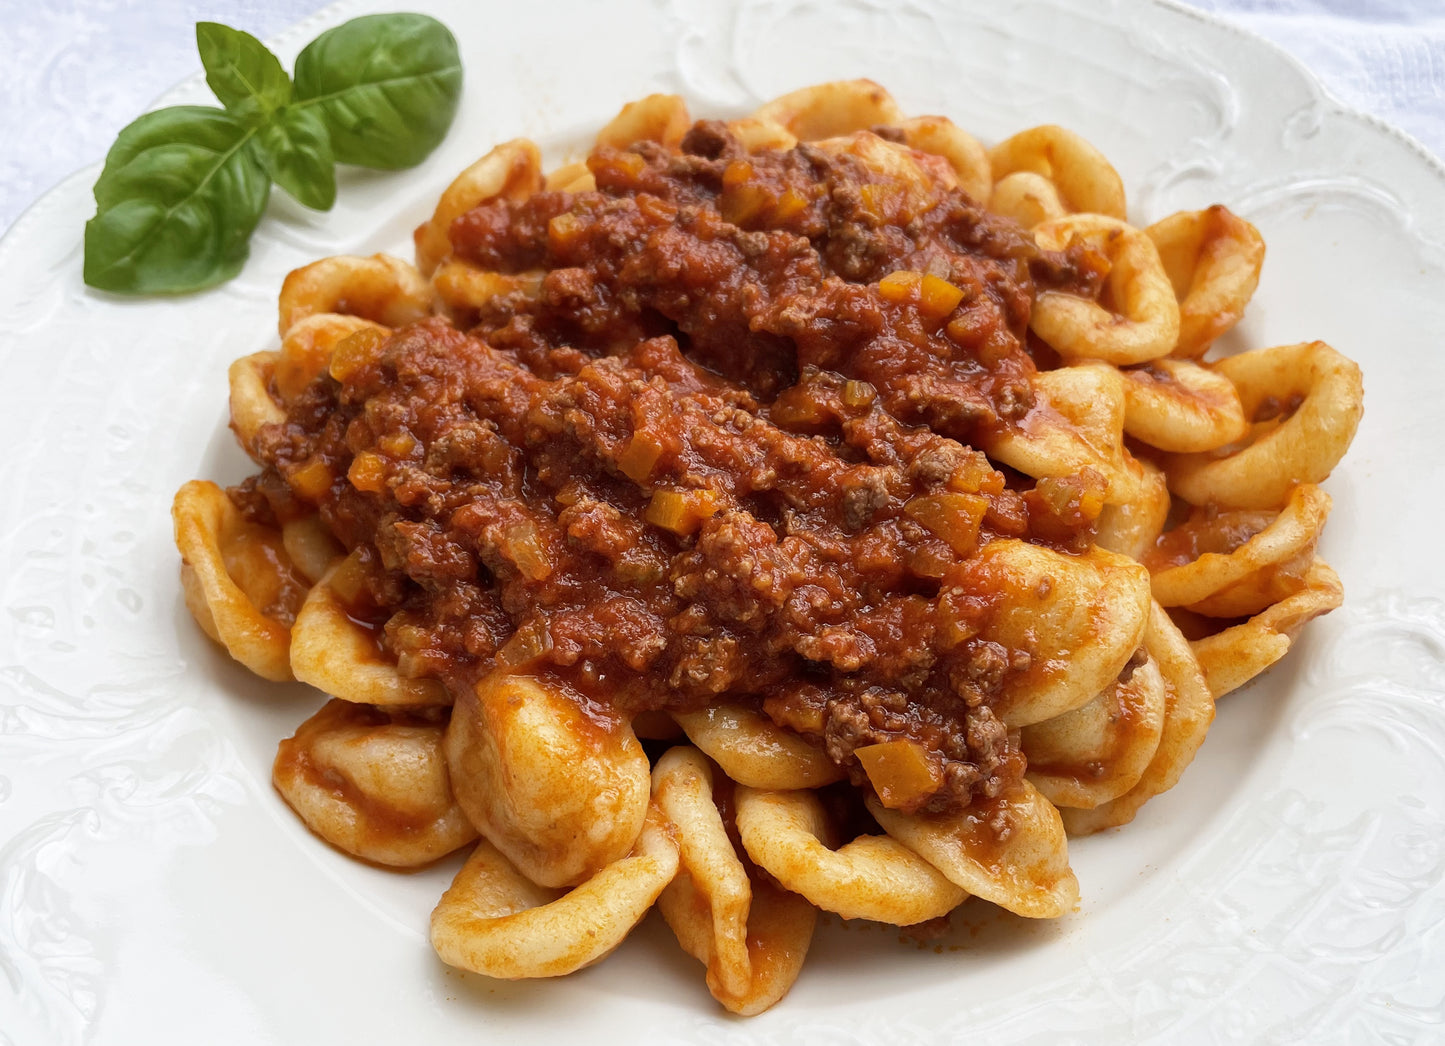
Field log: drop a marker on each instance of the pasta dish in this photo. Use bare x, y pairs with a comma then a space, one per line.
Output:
815, 510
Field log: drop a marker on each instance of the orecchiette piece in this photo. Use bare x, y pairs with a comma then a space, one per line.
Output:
752, 937
755, 751
252, 406
1240, 562
657, 118
495, 921
871, 877
1077, 423
334, 651
1287, 447
1027, 198
238, 581
832, 109
1131, 527
1141, 319
1094, 607
1085, 180
969, 160
1010, 850
1236, 655
1213, 258
1188, 711
383, 289
373, 784
562, 791
1177, 405
306, 350
513, 171
1099, 751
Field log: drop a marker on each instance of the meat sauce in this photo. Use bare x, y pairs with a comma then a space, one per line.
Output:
715, 447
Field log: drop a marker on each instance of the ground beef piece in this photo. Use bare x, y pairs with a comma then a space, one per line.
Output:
738, 569
710, 139
972, 747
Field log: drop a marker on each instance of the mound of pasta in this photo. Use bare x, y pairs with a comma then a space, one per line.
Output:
815, 510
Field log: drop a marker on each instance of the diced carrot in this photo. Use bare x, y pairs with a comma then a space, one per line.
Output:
679, 511
737, 173
791, 204
937, 297
638, 459
976, 476
311, 480
367, 472
899, 287
953, 517
881, 201
354, 352
745, 202
563, 231
795, 408
667, 509
630, 164
397, 444
927, 561
901, 772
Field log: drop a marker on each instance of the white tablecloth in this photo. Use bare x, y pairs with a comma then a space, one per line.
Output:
76, 71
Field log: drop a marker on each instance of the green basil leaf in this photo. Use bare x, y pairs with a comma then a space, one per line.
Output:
295, 149
181, 192
239, 68
387, 87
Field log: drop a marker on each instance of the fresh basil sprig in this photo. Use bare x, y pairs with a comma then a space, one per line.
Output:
184, 187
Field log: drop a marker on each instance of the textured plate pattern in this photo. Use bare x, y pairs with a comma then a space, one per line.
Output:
1292, 888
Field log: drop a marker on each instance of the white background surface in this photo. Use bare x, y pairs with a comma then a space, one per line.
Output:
77, 71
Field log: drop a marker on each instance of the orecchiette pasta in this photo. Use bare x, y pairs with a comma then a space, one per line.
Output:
1084, 181
335, 650
1188, 711
1099, 751
1026, 197
1009, 850
1305, 402
510, 171
496, 921
1181, 406
1141, 321
754, 751
751, 935
381, 288
813, 510
374, 784
239, 582
562, 793
1213, 259
832, 109
869, 877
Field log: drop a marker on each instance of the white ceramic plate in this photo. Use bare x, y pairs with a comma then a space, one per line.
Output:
154, 889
